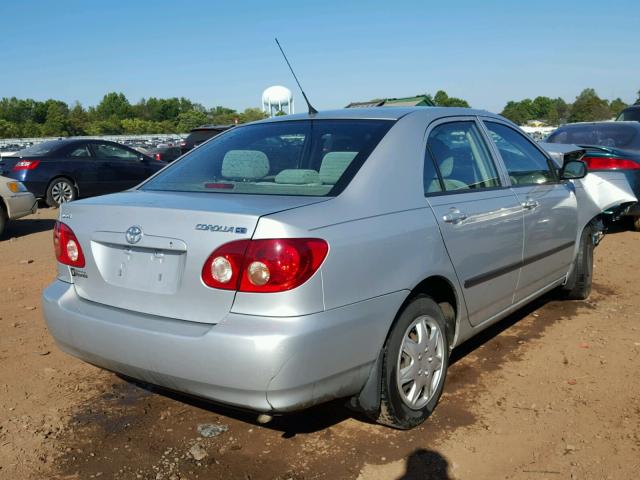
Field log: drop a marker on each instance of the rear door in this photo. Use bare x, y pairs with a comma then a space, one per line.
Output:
549, 206
123, 167
479, 216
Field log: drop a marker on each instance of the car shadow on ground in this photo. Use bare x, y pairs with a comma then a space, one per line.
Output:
26, 226
328, 414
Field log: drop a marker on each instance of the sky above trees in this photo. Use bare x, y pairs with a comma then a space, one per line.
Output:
223, 53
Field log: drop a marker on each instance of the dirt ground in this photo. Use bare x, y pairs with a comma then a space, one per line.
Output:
552, 392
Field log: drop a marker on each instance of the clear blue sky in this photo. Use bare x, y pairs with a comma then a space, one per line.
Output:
223, 53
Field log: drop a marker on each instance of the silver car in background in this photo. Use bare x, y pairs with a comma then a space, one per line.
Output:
304, 258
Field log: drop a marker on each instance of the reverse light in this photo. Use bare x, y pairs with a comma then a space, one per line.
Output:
26, 165
610, 163
262, 266
67, 247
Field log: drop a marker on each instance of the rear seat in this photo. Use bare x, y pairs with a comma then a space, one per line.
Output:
333, 166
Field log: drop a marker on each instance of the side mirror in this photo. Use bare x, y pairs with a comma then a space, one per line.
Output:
573, 170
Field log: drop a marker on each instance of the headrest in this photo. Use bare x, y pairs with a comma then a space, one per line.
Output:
245, 164
298, 177
333, 166
446, 167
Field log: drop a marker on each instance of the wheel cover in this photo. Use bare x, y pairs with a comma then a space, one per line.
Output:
61, 192
420, 362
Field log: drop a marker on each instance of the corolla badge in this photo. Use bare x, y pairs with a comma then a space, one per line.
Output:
133, 234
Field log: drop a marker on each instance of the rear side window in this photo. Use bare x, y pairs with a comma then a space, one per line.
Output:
525, 164
79, 151
462, 159
307, 157
107, 150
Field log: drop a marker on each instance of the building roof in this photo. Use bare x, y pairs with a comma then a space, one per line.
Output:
417, 101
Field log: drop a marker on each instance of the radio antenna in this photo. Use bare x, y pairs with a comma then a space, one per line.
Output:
312, 111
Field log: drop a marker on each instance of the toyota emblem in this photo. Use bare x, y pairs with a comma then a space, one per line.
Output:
133, 234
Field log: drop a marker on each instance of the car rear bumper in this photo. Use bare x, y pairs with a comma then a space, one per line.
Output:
267, 364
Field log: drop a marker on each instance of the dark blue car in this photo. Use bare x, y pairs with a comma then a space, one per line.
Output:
63, 170
609, 146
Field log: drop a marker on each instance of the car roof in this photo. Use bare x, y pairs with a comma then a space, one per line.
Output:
630, 123
380, 113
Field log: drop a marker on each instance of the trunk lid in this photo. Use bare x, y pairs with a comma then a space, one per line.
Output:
145, 251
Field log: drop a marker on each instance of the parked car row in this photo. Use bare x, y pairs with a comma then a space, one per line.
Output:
64, 170
331, 255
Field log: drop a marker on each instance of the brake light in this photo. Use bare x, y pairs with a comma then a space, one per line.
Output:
26, 165
262, 266
610, 163
158, 157
67, 247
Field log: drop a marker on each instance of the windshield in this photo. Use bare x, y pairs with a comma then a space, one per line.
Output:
42, 148
632, 114
606, 135
306, 157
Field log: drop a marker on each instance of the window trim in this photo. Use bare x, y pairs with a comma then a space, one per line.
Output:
504, 180
550, 163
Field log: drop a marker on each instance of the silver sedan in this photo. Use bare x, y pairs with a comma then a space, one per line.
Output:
291, 261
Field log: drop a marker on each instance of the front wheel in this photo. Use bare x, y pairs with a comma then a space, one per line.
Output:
60, 190
636, 224
578, 286
416, 357
3, 220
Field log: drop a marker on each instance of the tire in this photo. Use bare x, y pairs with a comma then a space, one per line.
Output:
60, 190
636, 224
3, 219
406, 404
578, 286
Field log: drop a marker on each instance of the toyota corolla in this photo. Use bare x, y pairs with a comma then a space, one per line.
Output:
304, 258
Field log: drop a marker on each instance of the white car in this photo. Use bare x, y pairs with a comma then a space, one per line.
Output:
15, 201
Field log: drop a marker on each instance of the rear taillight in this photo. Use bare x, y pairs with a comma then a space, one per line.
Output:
26, 165
158, 157
271, 265
66, 246
610, 163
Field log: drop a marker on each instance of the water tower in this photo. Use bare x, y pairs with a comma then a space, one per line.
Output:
275, 99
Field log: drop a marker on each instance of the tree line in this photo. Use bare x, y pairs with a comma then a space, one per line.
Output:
115, 115
587, 107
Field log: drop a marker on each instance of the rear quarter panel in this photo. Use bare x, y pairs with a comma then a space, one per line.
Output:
383, 236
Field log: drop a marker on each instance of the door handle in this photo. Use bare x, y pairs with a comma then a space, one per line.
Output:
529, 204
454, 216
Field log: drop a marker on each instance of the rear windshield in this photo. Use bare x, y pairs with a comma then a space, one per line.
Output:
633, 114
42, 148
198, 136
606, 135
306, 157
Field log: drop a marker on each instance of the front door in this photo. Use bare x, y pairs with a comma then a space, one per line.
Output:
480, 218
549, 206
123, 168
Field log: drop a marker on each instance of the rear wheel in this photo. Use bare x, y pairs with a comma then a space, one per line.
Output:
578, 286
636, 224
416, 358
60, 190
